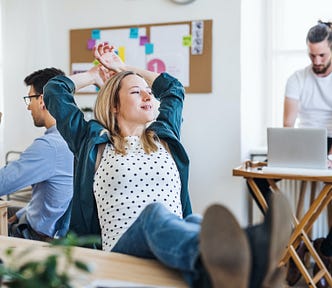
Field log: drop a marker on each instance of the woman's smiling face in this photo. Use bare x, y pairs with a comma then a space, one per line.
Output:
137, 103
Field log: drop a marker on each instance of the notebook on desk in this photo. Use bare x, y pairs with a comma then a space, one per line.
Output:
297, 151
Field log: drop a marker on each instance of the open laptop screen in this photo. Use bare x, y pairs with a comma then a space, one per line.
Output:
297, 147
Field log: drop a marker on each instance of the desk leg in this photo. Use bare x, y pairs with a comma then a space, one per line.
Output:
257, 193
300, 233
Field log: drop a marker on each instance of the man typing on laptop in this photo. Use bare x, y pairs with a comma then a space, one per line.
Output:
308, 100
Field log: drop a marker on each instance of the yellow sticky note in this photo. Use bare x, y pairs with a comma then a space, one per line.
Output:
122, 53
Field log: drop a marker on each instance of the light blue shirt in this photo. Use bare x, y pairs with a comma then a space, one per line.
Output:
46, 165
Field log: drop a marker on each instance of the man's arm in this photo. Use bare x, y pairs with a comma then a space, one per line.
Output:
36, 164
291, 108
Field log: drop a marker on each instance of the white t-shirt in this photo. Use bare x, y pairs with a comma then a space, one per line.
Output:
315, 96
125, 184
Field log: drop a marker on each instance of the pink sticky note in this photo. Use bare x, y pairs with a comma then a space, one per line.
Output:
143, 40
91, 44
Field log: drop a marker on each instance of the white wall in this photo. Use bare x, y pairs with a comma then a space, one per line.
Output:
36, 35
254, 59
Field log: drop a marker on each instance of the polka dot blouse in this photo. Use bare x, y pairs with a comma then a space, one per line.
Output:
125, 184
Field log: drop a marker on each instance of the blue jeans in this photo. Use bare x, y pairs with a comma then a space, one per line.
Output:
157, 233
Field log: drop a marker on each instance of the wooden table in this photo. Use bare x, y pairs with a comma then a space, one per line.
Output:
302, 226
105, 265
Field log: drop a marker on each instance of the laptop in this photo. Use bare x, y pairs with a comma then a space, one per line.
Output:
297, 151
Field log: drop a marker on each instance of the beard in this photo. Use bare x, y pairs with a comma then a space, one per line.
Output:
320, 69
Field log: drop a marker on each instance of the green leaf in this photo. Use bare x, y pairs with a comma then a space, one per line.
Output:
82, 266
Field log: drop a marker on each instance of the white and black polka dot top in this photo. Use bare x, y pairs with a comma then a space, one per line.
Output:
125, 184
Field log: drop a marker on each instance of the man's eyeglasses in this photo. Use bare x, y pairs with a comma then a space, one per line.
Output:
27, 99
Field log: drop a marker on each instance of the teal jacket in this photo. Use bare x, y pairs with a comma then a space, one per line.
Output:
84, 136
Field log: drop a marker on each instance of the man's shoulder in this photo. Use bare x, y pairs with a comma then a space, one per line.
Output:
51, 140
303, 72
301, 76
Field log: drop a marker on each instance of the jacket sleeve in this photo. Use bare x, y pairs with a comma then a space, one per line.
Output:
60, 102
170, 92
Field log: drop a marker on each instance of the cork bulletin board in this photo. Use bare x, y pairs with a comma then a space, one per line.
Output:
183, 49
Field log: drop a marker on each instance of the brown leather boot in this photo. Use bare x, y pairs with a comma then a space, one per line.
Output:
224, 248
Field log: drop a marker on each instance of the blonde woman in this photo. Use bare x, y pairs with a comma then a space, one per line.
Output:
136, 197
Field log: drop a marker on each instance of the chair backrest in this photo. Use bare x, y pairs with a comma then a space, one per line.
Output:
12, 156
24, 194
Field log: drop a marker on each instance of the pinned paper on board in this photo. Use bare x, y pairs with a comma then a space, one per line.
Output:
197, 33
143, 40
91, 44
122, 53
95, 34
148, 48
134, 32
169, 51
186, 41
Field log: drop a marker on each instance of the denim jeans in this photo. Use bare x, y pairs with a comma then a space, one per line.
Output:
157, 233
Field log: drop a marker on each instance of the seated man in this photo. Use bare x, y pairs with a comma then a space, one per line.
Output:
46, 165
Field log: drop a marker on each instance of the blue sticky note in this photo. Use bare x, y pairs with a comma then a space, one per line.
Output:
133, 33
95, 34
148, 48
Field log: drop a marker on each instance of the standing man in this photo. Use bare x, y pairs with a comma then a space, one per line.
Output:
308, 99
46, 165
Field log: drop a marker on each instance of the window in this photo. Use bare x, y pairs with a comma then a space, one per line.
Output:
290, 22
273, 47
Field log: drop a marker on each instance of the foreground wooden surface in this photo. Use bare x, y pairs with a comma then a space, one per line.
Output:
105, 265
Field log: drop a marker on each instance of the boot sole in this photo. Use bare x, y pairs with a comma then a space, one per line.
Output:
225, 249
281, 229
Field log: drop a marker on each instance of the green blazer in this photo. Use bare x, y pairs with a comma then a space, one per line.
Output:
83, 138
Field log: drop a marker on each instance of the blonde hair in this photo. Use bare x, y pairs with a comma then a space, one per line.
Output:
109, 98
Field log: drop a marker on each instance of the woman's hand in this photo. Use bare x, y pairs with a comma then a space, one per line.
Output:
107, 57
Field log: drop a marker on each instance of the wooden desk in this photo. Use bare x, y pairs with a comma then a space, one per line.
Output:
106, 265
302, 226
